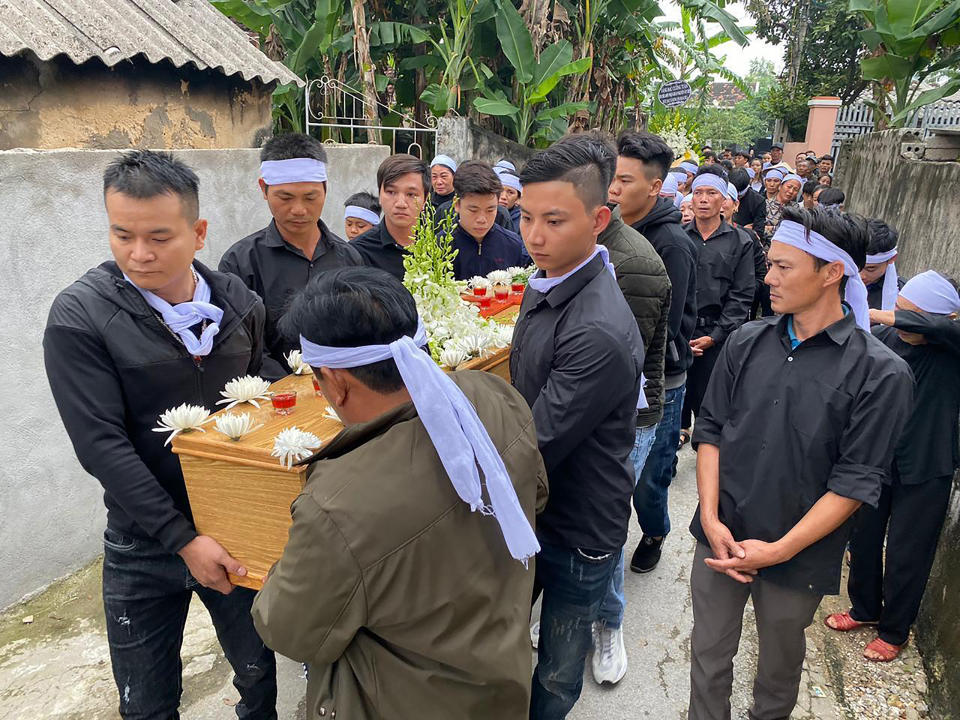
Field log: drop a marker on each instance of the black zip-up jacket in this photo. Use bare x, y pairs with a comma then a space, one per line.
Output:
499, 250
661, 226
114, 368
753, 211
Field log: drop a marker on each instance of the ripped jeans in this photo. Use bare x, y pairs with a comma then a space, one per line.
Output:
146, 595
574, 583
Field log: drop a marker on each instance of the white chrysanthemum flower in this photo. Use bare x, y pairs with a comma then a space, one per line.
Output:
182, 419
293, 444
478, 281
294, 359
499, 277
248, 388
235, 426
453, 356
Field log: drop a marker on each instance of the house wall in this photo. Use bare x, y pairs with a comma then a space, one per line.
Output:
919, 198
57, 104
54, 229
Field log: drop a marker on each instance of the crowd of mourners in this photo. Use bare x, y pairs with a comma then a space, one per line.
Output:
727, 302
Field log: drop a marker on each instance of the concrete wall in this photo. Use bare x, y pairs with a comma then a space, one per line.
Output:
53, 230
462, 140
57, 104
919, 198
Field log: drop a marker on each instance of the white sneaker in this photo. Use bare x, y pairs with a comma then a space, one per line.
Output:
609, 656
535, 634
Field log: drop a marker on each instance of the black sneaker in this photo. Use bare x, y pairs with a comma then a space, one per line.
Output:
647, 555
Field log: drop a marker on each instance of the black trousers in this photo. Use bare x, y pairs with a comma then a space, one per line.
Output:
698, 376
910, 517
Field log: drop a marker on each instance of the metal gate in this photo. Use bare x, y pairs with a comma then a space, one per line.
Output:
857, 119
338, 112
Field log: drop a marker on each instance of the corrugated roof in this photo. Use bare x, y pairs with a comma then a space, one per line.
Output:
181, 31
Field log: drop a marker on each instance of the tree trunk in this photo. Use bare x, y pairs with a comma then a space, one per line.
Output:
794, 58
361, 48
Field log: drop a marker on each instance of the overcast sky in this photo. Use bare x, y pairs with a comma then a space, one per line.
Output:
736, 58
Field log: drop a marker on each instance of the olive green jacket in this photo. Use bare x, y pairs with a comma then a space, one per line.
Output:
403, 602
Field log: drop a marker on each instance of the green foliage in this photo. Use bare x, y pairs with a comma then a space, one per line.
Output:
909, 41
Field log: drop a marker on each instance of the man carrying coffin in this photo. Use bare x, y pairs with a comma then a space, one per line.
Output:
406, 582
149, 331
296, 246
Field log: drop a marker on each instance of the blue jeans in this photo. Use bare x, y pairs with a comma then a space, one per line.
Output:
611, 610
573, 583
650, 496
146, 595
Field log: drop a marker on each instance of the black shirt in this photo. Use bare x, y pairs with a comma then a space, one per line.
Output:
875, 292
276, 270
792, 424
752, 211
577, 357
499, 250
378, 249
725, 280
928, 446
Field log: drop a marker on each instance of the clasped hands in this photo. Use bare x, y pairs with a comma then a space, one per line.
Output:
740, 560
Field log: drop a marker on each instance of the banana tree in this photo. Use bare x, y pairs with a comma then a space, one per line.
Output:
910, 41
533, 81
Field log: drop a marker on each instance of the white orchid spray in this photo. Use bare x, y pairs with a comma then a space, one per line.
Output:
246, 389
293, 444
181, 419
234, 425
294, 359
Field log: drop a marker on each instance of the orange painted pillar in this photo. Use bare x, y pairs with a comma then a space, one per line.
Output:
821, 123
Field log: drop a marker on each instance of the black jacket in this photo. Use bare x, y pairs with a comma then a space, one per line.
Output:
503, 218
753, 211
662, 228
114, 368
576, 358
646, 288
499, 250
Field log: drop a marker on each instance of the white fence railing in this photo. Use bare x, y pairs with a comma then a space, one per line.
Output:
857, 119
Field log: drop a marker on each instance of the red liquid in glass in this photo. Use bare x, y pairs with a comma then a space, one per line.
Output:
501, 293
486, 302
283, 403
517, 287
480, 291
316, 385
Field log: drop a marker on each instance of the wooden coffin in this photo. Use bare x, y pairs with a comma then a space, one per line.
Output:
241, 495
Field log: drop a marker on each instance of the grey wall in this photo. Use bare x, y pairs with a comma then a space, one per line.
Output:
462, 140
53, 229
919, 198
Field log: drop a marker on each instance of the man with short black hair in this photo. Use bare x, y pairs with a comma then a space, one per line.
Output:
296, 246
643, 160
825, 166
404, 582
752, 210
148, 331
577, 358
709, 157
832, 196
404, 184
796, 432
741, 158
880, 272
725, 283
807, 190
482, 246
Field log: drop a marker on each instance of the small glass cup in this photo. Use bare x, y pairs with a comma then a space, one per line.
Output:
501, 292
486, 301
316, 386
283, 403
517, 288
480, 292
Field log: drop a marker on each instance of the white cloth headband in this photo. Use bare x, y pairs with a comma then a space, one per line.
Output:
446, 161
732, 191
690, 167
687, 199
774, 173
361, 213
671, 185
456, 432
796, 235
294, 170
752, 173
793, 176
932, 292
891, 281
677, 200
508, 179
710, 180
506, 164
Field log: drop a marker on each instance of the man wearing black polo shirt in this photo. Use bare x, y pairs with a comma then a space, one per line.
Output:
796, 431
482, 246
296, 246
725, 282
577, 359
404, 183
